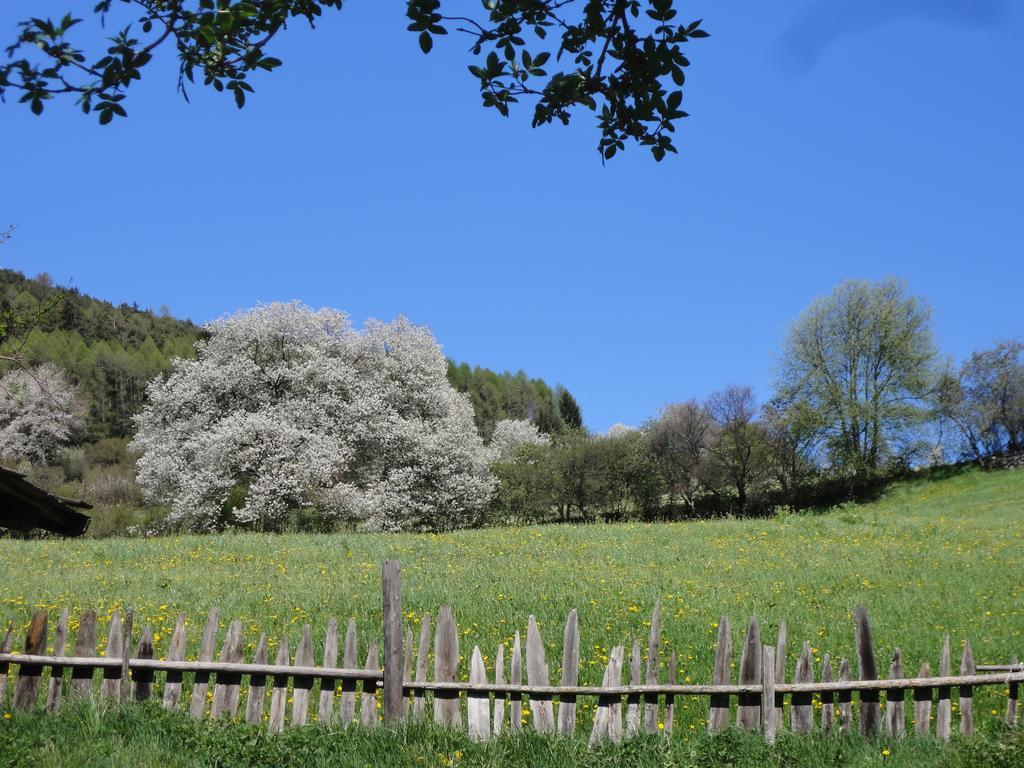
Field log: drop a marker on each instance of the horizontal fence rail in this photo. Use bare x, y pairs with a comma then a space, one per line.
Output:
350, 693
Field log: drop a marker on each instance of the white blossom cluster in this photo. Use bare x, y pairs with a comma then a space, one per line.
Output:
511, 434
286, 408
40, 410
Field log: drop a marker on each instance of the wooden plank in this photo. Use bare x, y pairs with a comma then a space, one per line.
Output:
176, 652
748, 714
225, 692
394, 709
845, 699
828, 707
670, 699
368, 706
515, 719
126, 654
895, 719
407, 648
943, 709
279, 690
967, 692
5, 647
570, 674
499, 698
55, 687
718, 708
769, 714
142, 679
923, 705
348, 687
651, 677
110, 688
257, 686
541, 710
302, 685
26, 689
447, 710
608, 709
478, 714
801, 711
422, 651
325, 707
85, 645
1012, 699
202, 679
870, 710
780, 671
633, 699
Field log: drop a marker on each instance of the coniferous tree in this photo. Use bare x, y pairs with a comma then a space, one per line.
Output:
569, 410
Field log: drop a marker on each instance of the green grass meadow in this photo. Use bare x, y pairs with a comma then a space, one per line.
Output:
931, 556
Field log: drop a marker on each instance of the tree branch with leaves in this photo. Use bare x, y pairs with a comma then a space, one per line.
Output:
621, 59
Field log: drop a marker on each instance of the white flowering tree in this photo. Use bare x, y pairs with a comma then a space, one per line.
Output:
286, 408
40, 410
511, 434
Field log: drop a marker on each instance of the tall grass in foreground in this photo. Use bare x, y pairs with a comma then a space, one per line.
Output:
147, 736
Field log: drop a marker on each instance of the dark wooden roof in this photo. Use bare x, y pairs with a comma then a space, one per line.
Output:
23, 507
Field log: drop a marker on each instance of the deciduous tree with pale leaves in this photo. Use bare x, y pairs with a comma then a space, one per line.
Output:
40, 410
290, 410
511, 434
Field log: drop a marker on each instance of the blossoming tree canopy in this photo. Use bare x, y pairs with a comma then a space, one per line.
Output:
290, 411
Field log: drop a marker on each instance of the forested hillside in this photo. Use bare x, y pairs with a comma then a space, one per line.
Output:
498, 396
112, 352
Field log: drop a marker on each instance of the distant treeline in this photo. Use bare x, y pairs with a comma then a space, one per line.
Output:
498, 396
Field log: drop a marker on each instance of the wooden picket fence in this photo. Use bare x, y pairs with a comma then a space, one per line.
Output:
646, 704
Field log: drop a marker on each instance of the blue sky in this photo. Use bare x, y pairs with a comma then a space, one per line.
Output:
827, 139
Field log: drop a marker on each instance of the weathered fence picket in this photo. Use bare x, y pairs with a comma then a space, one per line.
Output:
110, 688
257, 686
55, 688
142, 679
541, 709
923, 704
5, 647
176, 652
895, 721
801, 708
718, 707
202, 679
478, 716
870, 710
348, 687
828, 708
27, 687
325, 708
1012, 698
967, 691
633, 698
748, 713
225, 692
302, 685
128, 667
651, 676
85, 645
570, 674
944, 708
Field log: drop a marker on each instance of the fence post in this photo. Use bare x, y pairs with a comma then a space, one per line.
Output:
394, 664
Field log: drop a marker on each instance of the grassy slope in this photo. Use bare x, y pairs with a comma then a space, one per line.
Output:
931, 556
